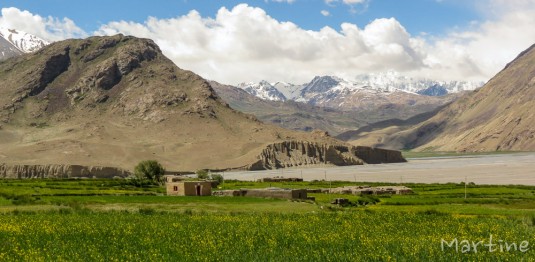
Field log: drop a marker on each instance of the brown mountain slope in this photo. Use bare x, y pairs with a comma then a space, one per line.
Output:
114, 101
291, 114
498, 116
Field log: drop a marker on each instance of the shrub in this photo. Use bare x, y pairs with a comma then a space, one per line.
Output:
203, 174
150, 170
217, 180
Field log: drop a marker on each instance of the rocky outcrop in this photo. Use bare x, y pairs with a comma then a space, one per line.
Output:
60, 171
35, 79
372, 155
51, 68
300, 153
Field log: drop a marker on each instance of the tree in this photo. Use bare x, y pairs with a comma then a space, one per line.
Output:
150, 170
203, 174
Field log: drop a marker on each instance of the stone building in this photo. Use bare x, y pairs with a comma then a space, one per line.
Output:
189, 188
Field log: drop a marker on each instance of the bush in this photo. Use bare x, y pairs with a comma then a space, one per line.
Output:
150, 170
203, 174
217, 180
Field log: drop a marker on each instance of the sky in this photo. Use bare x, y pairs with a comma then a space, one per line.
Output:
294, 40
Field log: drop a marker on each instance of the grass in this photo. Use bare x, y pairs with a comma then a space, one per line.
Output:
95, 220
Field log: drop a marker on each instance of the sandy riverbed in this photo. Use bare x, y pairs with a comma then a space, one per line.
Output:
518, 168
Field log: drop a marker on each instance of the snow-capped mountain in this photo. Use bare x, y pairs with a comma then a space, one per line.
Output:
335, 92
324, 90
290, 91
14, 42
363, 93
263, 90
392, 80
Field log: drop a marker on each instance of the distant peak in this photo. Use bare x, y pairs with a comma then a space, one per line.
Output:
24, 42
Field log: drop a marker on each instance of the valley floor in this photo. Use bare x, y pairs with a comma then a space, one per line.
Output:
116, 220
494, 169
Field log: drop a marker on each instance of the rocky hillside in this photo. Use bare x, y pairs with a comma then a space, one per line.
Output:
499, 116
114, 101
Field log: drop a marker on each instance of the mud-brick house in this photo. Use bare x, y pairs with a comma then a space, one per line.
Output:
189, 188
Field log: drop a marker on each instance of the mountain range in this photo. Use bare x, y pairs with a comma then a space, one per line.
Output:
100, 100
385, 83
388, 95
331, 103
114, 101
14, 43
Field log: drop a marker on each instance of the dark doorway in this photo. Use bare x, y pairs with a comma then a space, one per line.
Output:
198, 190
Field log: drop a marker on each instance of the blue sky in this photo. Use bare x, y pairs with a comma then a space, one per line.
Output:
236, 41
430, 16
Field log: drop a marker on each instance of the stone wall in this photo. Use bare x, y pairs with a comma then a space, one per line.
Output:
265, 193
60, 171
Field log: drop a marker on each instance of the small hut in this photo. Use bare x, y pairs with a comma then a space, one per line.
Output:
189, 188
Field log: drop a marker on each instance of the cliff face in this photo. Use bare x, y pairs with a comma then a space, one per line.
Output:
300, 153
372, 155
60, 171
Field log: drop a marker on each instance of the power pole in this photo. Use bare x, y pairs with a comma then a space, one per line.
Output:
465, 184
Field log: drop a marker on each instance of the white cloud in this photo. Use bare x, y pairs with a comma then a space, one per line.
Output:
48, 28
484, 48
325, 13
246, 44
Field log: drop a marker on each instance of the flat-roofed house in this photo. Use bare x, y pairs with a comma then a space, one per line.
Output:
189, 188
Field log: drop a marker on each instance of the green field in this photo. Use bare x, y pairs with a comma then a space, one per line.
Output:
115, 220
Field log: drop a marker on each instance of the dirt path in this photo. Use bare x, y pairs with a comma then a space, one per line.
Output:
503, 169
